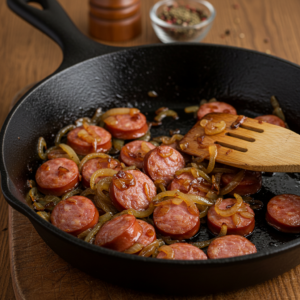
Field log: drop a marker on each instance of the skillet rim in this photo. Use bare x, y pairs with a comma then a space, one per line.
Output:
28, 212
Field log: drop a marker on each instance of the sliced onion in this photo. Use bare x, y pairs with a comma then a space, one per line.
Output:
234, 183
97, 116
62, 132
213, 152
191, 109
124, 180
168, 251
204, 244
236, 219
103, 185
171, 140
213, 128
120, 111
195, 172
105, 205
203, 211
102, 220
129, 168
80, 121
137, 247
71, 193
164, 155
166, 113
230, 211
147, 191
118, 144
84, 234
246, 214
99, 173
73, 156
141, 214
91, 156
150, 249
38, 206
164, 209
41, 145
44, 215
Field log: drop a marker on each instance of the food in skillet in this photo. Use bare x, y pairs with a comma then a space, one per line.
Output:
146, 197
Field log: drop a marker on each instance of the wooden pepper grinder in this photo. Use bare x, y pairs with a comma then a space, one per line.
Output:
115, 20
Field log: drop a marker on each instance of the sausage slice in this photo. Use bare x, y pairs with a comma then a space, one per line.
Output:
127, 127
162, 163
133, 153
184, 251
283, 213
92, 165
75, 215
83, 147
57, 176
215, 221
230, 246
218, 107
176, 221
271, 119
131, 189
119, 233
148, 236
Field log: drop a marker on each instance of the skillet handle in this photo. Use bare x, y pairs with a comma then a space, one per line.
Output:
55, 23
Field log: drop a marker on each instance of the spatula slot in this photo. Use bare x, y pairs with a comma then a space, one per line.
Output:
232, 147
252, 128
240, 137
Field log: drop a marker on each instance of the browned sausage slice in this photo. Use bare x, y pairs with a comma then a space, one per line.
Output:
83, 147
92, 165
57, 176
127, 127
162, 163
283, 213
251, 183
218, 107
75, 215
133, 153
177, 221
131, 189
184, 251
271, 119
119, 233
148, 236
230, 246
215, 221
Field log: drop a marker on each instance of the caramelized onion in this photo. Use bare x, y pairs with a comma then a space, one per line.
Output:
213, 128
123, 180
147, 191
71, 193
120, 111
88, 192
103, 185
164, 209
246, 214
105, 205
91, 156
137, 247
73, 156
150, 249
44, 215
164, 155
203, 211
41, 145
62, 132
230, 211
129, 168
195, 172
191, 109
236, 219
84, 234
171, 140
213, 152
204, 244
168, 250
117, 144
234, 183
99, 173
140, 214
166, 113
79, 122
97, 116
102, 220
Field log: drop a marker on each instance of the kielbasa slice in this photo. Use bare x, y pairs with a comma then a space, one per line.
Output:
283, 213
119, 233
162, 163
218, 107
188, 184
57, 176
184, 251
230, 246
131, 189
75, 215
176, 220
83, 147
215, 221
148, 236
271, 119
94, 164
251, 183
127, 127
133, 153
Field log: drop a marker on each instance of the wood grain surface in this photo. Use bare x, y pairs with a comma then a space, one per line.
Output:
27, 55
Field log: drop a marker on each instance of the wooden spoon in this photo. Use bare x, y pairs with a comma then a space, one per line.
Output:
253, 145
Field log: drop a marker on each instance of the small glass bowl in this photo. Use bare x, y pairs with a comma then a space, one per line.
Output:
170, 33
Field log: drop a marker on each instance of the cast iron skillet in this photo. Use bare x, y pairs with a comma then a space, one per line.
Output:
90, 76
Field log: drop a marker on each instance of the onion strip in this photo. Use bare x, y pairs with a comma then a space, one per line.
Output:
41, 145
230, 211
166, 113
120, 111
73, 156
91, 156
213, 152
62, 132
168, 251
102, 172
238, 178
150, 249
137, 247
71, 193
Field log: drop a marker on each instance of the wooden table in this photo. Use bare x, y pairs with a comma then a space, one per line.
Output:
27, 56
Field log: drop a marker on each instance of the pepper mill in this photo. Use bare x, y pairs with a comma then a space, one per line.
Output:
115, 20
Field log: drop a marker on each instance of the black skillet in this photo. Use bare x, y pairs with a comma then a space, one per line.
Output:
93, 75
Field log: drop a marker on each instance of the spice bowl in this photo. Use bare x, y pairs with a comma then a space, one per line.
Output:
182, 21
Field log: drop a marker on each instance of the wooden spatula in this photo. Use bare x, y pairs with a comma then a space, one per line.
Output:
254, 145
